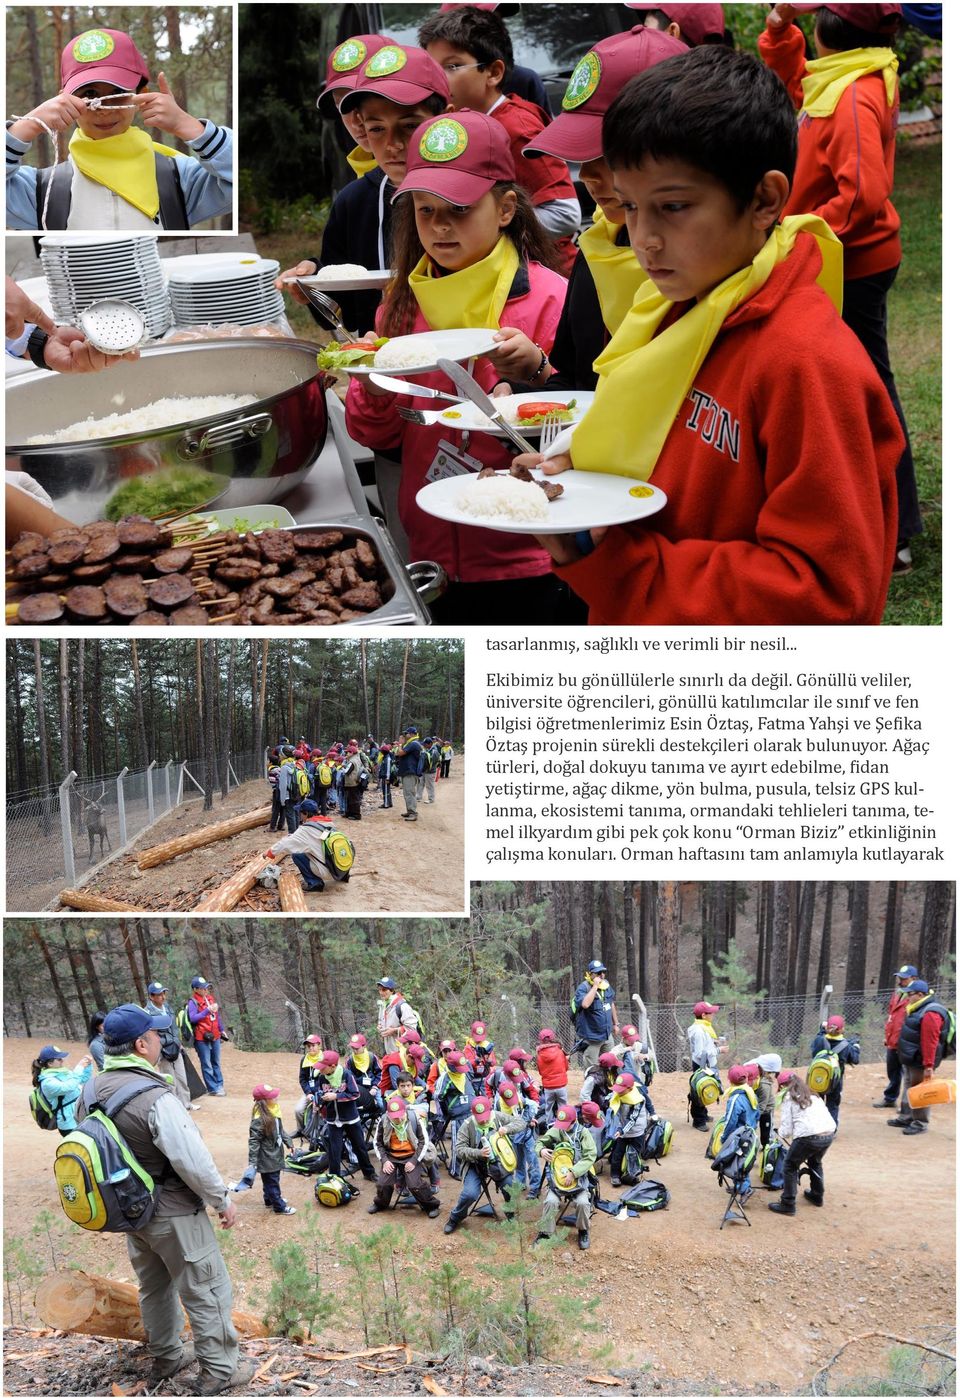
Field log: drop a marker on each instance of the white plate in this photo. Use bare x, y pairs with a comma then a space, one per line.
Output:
370, 281
458, 345
471, 419
589, 501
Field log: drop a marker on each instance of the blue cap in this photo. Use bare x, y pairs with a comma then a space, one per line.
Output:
155, 988
310, 807
595, 967
50, 1052
387, 984
412, 729
921, 986
198, 983
283, 740
907, 971
129, 1022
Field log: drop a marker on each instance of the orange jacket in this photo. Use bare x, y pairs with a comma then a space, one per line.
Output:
552, 1065
786, 516
844, 161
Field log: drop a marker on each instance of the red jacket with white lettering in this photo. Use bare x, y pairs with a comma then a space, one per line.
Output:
790, 517
845, 161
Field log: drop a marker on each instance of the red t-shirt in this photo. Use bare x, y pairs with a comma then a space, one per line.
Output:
544, 177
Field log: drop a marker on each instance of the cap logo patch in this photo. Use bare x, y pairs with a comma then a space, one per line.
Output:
91, 46
444, 140
349, 56
584, 81
385, 61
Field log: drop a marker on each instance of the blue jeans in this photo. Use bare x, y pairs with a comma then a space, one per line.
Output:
208, 1051
471, 1188
270, 1179
310, 878
528, 1169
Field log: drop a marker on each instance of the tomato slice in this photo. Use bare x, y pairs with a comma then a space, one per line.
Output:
526, 410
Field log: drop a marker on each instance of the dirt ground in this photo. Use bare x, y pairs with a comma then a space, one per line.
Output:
690, 1309
401, 866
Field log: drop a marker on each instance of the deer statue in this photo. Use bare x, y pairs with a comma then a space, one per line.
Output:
96, 820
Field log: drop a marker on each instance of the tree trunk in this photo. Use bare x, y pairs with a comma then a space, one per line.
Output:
65, 1015
84, 1304
630, 941
401, 717
668, 934
292, 896
935, 928
132, 961
208, 835
73, 960
19, 752
808, 900
209, 721
890, 955
227, 727
609, 931
143, 754
823, 963
781, 939
855, 984
66, 756
227, 895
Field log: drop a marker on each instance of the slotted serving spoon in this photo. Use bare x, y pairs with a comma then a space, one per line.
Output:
113, 327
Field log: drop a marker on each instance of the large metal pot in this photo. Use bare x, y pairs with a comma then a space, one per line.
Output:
253, 457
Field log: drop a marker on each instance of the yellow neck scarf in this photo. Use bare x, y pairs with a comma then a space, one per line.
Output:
742, 1087
269, 1109
361, 162
459, 1081
827, 79
474, 296
310, 1060
124, 164
616, 273
361, 1061
628, 1099
625, 428
707, 1027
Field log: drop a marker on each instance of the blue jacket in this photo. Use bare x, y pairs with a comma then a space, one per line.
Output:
595, 1024
207, 181
62, 1088
847, 1052
408, 763
739, 1112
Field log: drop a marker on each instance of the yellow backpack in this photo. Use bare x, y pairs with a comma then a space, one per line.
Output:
339, 854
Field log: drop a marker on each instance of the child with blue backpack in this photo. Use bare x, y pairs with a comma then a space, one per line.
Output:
741, 1110
512, 1101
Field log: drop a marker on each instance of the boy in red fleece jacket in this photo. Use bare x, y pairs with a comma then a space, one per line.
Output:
779, 455
849, 104
553, 1066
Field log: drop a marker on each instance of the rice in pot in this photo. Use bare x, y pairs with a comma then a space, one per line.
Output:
152, 417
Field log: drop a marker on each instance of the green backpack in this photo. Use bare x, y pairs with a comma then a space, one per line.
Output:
304, 784
41, 1110
824, 1072
101, 1184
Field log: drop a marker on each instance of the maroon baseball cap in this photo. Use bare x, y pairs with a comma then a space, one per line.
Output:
624, 1082
599, 78
102, 56
519, 1055
697, 22
873, 18
348, 59
703, 1007
737, 1074
458, 157
401, 74
566, 1116
481, 1107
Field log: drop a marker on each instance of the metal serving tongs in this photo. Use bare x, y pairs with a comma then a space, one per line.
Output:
328, 309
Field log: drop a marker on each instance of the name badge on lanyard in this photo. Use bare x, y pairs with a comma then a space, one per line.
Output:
451, 461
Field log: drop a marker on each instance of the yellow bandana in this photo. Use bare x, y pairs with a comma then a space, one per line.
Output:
124, 164
310, 1060
628, 1099
707, 1027
741, 1087
827, 79
644, 377
361, 162
472, 298
269, 1108
459, 1081
616, 273
361, 1060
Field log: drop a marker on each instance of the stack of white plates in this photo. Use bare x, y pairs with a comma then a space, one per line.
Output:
224, 288
81, 269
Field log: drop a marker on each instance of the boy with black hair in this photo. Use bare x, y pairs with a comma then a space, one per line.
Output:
473, 48
115, 176
396, 90
694, 24
849, 106
761, 415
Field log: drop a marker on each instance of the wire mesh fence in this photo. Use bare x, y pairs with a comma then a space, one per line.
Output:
58, 834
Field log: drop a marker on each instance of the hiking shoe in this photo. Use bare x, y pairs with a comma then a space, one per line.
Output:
287, 1209
900, 1121
162, 1369
914, 1128
216, 1383
884, 1103
433, 1211
816, 1199
583, 1240
449, 1226
375, 1209
781, 1208
541, 1238
700, 1126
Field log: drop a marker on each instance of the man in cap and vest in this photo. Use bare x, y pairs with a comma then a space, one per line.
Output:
596, 1012
570, 1185
170, 1039
923, 1037
175, 1255
408, 767
208, 1031
896, 1014
393, 1014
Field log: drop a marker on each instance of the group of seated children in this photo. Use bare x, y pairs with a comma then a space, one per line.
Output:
705, 306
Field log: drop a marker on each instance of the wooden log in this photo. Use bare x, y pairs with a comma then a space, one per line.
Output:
159, 854
89, 1305
292, 897
86, 902
227, 895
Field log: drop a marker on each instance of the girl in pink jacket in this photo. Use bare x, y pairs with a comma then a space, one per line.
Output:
468, 252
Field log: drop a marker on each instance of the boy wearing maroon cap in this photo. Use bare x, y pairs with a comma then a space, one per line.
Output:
344, 64
849, 105
831, 1039
394, 92
473, 48
569, 1133
694, 24
732, 365
475, 1149
468, 250
605, 276
115, 177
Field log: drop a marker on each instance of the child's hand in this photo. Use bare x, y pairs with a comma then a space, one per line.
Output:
561, 547
60, 113
285, 283
780, 15
563, 461
388, 1167
160, 109
517, 357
